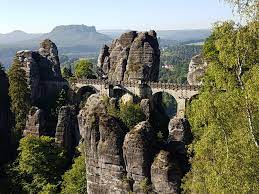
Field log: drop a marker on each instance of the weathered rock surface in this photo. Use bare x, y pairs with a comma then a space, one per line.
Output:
132, 56
5, 119
166, 173
103, 136
67, 131
36, 122
179, 136
179, 130
121, 162
196, 70
146, 107
49, 50
138, 152
43, 71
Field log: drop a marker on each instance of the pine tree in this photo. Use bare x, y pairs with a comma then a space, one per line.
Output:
20, 94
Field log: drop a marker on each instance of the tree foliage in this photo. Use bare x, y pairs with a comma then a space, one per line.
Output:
225, 116
83, 69
130, 114
74, 180
66, 72
20, 94
40, 164
179, 57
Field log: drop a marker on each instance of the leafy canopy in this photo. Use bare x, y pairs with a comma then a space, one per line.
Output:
41, 163
225, 116
83, 69
74, 180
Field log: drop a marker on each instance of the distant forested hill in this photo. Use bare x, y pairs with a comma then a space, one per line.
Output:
72, 40
77, 41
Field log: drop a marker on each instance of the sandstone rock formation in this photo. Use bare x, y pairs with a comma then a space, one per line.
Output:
43, 71
132, 56
197, 68
146, 107
122, 161
36, 122
166, 173
5, 119
179, 130
139, 151
179, 136
103, 136
67, 132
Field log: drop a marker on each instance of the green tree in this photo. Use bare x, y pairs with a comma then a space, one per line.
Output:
83, 69
225, 116
74, 180
66, 72
130, 114
20, 94
40, 164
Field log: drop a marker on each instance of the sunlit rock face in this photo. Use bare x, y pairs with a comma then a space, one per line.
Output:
121, 160
103, 136
196, 71
132, 56
42, 69
139, 151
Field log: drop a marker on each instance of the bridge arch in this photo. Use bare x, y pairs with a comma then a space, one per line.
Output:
166, 101
164, 108
84, 92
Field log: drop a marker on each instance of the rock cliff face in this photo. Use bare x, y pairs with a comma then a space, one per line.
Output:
166, 173
67, 132
139, 151
43, 70
5, 119
132, 56
103, 136
197, 68
36, 122
122, 161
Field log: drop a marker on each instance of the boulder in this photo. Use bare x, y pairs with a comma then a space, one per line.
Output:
196, 70
103, 136
166, 173
179, 130
132, 56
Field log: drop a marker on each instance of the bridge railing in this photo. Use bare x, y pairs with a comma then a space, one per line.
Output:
134, 83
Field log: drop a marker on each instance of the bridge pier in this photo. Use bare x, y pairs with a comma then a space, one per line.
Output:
181, 105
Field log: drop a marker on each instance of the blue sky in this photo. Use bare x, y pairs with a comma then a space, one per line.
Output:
43, 15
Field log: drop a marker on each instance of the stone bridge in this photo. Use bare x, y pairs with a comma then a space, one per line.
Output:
181, 93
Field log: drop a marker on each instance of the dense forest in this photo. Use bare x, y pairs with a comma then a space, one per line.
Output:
178, 56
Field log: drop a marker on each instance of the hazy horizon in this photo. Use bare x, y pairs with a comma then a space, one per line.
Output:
43, 16
112, 30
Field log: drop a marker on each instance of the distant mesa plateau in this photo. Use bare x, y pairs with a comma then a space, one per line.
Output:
77, 41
